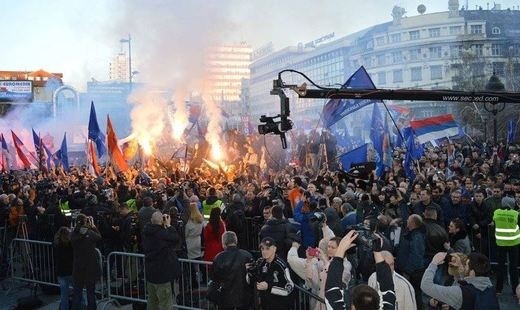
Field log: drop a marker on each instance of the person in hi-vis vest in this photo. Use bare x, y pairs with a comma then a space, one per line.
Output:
507, 235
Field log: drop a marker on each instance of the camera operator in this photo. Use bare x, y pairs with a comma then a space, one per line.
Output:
161, 263
85, 269
303, 213
271, 278
127, 228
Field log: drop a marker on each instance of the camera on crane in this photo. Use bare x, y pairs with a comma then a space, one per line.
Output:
271, 124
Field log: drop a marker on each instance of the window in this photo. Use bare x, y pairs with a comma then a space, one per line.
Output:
396, 37
380, 41
475, 29
415, 54
435, 52
478, 49
397, 57
496, 49
414, 35
434, 32
398, 76
456, 50
499, 68
454, 30
436, 72
495, 30
416, 73
380, 59
367, 61
381, 78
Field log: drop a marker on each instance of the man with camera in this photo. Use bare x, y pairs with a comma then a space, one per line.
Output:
271, 278
85, 269
161, 264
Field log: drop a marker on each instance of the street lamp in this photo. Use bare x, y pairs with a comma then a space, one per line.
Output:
494, 84
130, 73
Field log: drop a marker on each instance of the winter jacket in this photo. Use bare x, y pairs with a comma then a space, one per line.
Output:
280, 230
85, 269
193, 235
161, 263
453, 211
212, 241
279, 284
451, 295
404, 291
307, 230
63, 259
459, 242
229, 270
419, 208
480, 215
334, 289
410, 257
436, 236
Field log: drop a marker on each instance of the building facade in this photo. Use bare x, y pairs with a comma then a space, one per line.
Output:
457, 49
118, 69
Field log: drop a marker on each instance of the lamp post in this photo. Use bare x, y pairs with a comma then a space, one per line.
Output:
130, 73
494, 84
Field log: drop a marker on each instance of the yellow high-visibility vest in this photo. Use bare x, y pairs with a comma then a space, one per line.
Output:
507, 232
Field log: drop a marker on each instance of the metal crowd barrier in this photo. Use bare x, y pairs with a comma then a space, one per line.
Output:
32, 261
305, 299
126, 281
253, 226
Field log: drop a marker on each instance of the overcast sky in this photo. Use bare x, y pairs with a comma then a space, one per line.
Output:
78, 37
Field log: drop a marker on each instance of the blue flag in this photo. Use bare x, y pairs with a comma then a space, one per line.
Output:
358, 155
63, 154
511, 131
410, 157
336, 109
94, 133
377, 135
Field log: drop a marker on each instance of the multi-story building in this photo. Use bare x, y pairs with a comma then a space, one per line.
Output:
228, 65
456, 49
119, 68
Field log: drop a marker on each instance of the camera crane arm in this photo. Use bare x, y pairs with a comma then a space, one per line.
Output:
285, 124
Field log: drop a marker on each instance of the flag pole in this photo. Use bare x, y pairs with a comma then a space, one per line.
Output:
393, 120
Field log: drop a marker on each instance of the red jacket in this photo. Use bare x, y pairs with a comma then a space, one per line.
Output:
213, 242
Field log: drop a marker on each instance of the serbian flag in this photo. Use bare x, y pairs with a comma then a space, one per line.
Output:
21, 150
5, 154
94, 166
433, 128
114, 152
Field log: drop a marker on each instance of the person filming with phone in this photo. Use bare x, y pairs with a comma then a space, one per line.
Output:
85, 269
162, 266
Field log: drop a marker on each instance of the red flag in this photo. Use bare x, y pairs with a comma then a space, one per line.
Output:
18, 146
114, 152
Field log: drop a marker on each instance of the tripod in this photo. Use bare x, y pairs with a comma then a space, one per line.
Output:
21, 247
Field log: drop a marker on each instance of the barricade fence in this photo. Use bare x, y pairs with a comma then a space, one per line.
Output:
32, 261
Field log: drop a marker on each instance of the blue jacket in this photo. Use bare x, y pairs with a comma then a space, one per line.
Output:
410, 257
308, 234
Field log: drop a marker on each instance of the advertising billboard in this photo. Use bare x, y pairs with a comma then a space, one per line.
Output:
16, 91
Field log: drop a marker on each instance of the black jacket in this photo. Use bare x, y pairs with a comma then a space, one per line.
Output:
436, 236
63, 259
480, 215
229, 270
280, 230
86, 265
161, 263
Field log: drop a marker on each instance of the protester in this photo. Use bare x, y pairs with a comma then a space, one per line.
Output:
85, 268
464, 295
63, 255
161, 264
229, 270
271, 278
212, 235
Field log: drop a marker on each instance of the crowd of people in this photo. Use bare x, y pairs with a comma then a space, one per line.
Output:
350, 239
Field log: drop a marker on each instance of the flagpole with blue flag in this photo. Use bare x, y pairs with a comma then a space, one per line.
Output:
377, 132
94, 133
64, 153
511, 131
355, 156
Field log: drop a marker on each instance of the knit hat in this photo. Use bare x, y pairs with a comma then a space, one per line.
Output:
508, 202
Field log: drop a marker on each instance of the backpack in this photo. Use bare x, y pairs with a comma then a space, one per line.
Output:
473, 298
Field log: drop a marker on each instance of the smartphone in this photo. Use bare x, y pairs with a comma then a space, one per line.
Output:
314, 252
